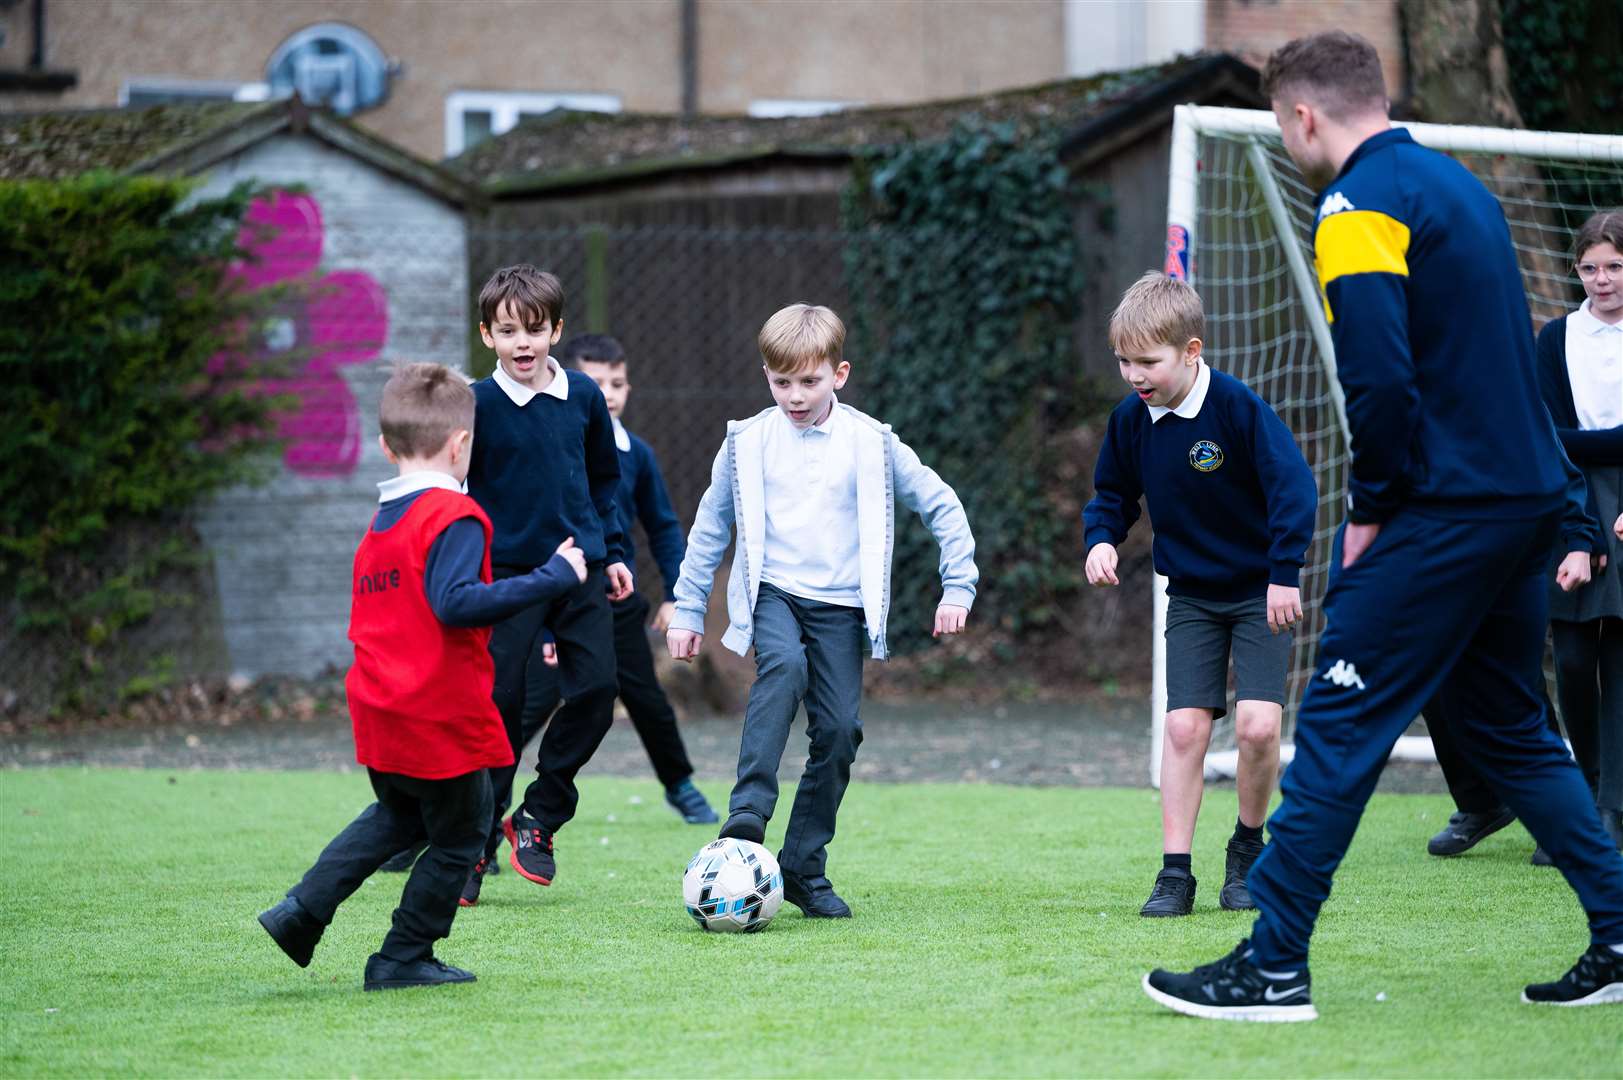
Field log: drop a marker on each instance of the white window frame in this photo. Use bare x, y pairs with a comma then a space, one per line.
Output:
202, 89
505, 106
776, 108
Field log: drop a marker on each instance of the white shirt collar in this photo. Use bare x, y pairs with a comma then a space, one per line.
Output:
522, 395
622, 437
1585, 320
1190, 407
398, 487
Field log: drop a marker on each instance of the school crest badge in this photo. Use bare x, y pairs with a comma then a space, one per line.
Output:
1205, 456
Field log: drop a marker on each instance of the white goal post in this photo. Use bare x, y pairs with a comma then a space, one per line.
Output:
1239, 227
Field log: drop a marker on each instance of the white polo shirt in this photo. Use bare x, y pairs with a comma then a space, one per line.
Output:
810, 479
522, 395
1595, 369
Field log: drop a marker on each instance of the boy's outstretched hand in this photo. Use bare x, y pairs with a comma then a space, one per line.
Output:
574, 557
619, 581
1284, 607
683, 644
1101, 565
1574, 570
950, 619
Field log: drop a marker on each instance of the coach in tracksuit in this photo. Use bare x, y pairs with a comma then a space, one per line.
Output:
1438, 589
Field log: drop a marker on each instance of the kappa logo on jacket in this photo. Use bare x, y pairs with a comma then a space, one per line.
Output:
1335, 203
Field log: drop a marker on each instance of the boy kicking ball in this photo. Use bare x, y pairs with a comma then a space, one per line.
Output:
1232, 503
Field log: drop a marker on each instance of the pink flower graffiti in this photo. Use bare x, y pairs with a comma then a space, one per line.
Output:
333, 319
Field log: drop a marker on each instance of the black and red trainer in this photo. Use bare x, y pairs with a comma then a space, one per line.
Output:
476, 879
532, 848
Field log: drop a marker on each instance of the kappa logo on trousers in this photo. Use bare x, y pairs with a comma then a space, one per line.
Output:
1343, 674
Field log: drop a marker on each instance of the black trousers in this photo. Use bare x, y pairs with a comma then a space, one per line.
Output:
1589, 682
650, 710
451, 815
583, 627
1472, 794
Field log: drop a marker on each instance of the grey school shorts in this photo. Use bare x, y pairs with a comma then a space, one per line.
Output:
1201, 634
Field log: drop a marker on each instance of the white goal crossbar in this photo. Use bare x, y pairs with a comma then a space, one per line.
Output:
1258, 133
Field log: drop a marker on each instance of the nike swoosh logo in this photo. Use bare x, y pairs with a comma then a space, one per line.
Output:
1273, 998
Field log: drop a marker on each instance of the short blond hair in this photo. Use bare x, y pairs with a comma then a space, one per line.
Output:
422, 406
801, 336
1156, 310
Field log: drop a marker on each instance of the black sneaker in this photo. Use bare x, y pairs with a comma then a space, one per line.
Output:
385, 974
1596, 979
401, 861
1465, 831
690, 802
1234, 988
294, 929
744, 825
1174, 894
1541, 857
532, 848
1235, 896
815, 897
476, 878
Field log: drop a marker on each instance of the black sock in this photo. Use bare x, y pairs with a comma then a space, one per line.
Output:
1180, 862
1242, 831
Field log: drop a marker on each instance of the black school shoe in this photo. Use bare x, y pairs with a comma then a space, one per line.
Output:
476, 879
1596, 979
1235, 895
1465, 831
1173, 895
815, 897
1234, 988
744, 825
385, 974
294, 929
401, 861
532, 848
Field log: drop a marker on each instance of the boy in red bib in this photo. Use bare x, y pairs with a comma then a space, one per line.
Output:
419, 690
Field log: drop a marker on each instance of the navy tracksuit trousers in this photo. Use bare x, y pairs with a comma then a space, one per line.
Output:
1444, 610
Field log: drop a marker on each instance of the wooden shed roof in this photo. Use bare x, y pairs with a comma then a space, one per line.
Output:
570, 149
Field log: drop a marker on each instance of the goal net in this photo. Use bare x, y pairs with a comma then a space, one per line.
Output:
1239, 228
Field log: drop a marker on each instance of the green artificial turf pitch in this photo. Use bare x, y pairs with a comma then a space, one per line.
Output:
996, 933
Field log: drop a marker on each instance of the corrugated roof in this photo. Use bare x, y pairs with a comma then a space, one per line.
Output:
566, 148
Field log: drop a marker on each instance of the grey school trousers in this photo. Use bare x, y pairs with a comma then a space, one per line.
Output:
807, 651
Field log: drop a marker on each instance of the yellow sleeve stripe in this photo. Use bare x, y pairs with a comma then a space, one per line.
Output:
1360, 242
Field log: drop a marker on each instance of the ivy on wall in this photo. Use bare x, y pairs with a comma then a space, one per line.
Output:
127, 402
964, 280
1565, 76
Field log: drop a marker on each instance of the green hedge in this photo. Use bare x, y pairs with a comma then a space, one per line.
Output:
963, 274
114, 296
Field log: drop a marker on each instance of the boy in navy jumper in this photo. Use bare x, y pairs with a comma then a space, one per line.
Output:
419, 690
642, 497
1232, 503
546, 467
1438, 594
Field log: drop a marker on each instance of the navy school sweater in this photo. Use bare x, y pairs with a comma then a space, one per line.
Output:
1231, 499
546, 472
642, 497
1432, 339
451, 574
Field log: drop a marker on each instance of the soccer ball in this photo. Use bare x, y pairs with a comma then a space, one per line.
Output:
732, 886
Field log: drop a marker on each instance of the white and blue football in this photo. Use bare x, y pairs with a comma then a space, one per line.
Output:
732, 886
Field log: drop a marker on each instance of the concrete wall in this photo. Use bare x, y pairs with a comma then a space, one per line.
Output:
282, 553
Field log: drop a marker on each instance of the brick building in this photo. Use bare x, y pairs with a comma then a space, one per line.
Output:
435, 76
